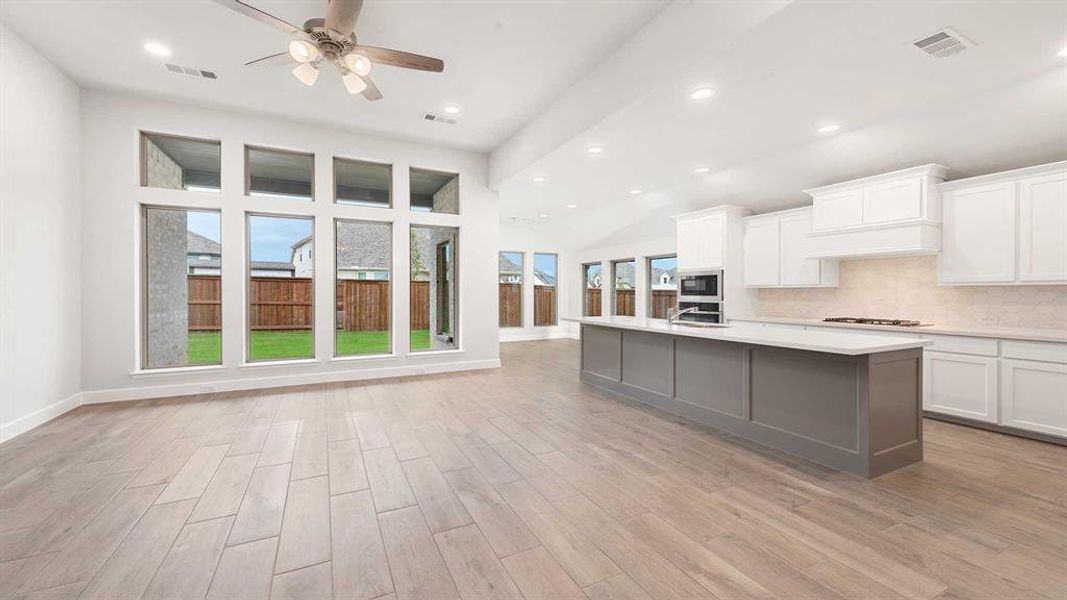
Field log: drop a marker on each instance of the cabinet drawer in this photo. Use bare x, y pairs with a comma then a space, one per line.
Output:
962, 345
1043, 351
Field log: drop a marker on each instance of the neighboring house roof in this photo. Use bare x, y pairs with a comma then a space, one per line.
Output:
658, 273
542, 278
198, 244
258, 265
300, 242
508, 266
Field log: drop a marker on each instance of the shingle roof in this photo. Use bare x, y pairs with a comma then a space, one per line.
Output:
507, 266
198, 244
216, 263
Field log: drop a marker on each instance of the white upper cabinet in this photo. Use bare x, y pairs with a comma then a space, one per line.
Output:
1043, 228
978, 234
700, 242
1006, 228
892, 214
762, 252
776, 250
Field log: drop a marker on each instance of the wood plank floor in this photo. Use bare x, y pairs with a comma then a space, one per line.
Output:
510, 483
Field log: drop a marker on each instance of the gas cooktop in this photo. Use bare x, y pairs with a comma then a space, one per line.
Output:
868, 321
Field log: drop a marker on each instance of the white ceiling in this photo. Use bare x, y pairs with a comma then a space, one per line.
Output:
504, 60
779, 74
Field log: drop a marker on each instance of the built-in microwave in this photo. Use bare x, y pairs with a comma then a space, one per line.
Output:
700, 286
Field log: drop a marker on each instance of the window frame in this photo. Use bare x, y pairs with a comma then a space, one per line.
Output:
459, 196
392, 289
142, 362
248, 173
248, 360
555, 301
648, 282
614, 292
363, 161
585, 287
456, 275
522, 289
142, 157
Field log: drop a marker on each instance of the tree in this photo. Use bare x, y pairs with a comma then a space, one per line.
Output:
417, 265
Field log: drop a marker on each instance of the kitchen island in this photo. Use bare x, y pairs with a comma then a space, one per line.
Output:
850, 401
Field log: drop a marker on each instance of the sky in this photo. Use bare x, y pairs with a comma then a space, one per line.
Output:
272, 238
204, 223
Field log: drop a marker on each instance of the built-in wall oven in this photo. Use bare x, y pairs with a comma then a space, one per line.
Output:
701, 292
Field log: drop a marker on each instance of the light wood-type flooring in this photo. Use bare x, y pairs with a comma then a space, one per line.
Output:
510, 483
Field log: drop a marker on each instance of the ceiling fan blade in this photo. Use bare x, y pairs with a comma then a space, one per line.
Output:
342, 14
266, 18
279, 59
371, 93
406, 60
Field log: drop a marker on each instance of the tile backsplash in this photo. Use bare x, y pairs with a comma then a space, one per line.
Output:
906, 288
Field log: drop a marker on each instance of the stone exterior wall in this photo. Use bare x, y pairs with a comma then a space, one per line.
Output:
426, 241
160, 170
167, 302
446, 199
906, 288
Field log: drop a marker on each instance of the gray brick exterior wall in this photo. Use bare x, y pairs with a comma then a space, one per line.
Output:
167, 292
160, 170
446, 199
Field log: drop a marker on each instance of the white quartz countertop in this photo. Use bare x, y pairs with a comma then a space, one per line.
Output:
1004, 333
833, 342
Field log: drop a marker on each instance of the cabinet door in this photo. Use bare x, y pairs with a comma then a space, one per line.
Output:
700, 243
978, 235
960, 385
1034, 396
761, 253
1043, 228
894, 201
837, 210
796, 269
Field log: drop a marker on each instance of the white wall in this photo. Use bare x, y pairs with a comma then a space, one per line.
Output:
529, 242
111, 255
40, 214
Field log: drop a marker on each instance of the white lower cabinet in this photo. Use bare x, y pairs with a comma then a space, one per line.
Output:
960, 385
1034, 395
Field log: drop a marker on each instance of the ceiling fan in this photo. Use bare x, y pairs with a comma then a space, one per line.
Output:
333, 40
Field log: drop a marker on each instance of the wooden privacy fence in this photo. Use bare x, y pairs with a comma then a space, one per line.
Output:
284, 303
661, 301
592, 302
624, 302
511, 305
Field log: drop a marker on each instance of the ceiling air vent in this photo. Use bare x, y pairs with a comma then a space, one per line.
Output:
944, 43
439, 118
194, 72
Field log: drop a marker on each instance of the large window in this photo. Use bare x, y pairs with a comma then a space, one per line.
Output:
360, 183
279, 173
182, 291
434, 255
545, 275
180, 163
593, 283
280, 287
662, 285
434, 191
623, 287
364, 258
510, 289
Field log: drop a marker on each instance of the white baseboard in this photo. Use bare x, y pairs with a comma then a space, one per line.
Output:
255, 383
39, 417
527, 336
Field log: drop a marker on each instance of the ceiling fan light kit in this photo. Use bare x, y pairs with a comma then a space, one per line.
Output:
333, 39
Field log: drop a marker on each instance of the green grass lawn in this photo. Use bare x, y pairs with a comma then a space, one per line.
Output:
205, 347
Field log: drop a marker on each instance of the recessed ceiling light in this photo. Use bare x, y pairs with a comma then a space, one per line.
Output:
594, 149
543, 216
452, 110
830, 128
157, 49
701, 170
702, 93
1062, 52
538, 179
572, 206
635, 192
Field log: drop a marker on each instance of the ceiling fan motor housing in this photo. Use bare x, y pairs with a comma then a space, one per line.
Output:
330, 43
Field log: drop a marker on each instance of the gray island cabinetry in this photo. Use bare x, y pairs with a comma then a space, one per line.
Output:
849, 401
